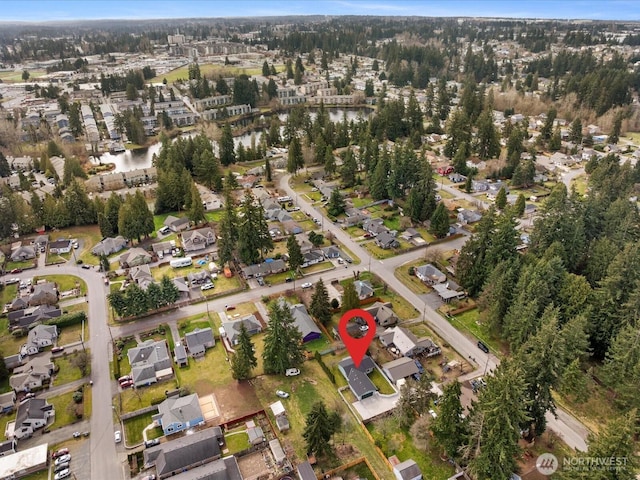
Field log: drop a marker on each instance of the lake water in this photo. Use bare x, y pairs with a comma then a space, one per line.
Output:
142, 158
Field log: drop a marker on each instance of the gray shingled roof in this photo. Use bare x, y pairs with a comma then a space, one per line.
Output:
184, 452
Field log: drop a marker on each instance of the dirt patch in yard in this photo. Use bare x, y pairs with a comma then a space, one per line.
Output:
254, 465
236, 400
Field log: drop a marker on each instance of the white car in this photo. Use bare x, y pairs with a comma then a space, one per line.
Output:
364, 328
282, 394
62, 474
206, 286
292, 372
62, 459
307, 285
118, 436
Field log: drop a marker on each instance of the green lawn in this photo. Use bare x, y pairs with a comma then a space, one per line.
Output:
236, 442
11, 77
318, 267
87, 236
411, 281
65, 282
469, 322
241, 309
311, 386
67, 372
396, 441
65, 410
210, 70
200, 321
8, 294
21, 265
125, 367
381, 382
9, 344
319, 344
133, 428
377, 252
72, 333
4, 419
203, 375
223, 284
134, 399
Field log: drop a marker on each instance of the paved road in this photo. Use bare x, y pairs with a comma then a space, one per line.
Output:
567, 427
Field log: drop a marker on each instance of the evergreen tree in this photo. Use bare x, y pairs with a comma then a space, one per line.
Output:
520, 206
501, 199
170, 292
244, 359
440, 221
320, 307
350, 298
267, 171
336, 205
295, 254
349, 169
253, 233
295, 160
494, 425
378, 181
228, 229
265, 69
555, 143
449, 427
282, 341
79, 207
318, 430
488, 142
458, 131
208, 171
460, 160
196, 211
329, 161
622, 365
575, 133
227, 149
615, 132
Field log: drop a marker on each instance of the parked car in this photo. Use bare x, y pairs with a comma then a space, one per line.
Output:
30, 395
63, 459
288, 279
118, 436
149, 477
60, 453
282, 394
16, 270
164, 230
260, 281
207, 286
364, 328
126, 384
152, 443
229, 307
57, 349
292, 372
62, 474
76, 434
124, 378
62, 466
482, 346
11, 281
307, 285
86, 267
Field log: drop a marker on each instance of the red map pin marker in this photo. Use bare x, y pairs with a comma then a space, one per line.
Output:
357, 346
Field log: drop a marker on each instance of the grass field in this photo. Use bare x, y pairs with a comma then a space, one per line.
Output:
311, 386
411, 281
67, 372
237, 441
209, 70
21, 265
65, 410
9, 344
8, 293
134, 399
65, 282
16, 77
469, 322
133, 428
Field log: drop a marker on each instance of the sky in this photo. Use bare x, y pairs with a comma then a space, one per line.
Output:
47, 10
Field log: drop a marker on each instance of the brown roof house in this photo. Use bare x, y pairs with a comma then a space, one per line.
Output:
135, 257
44, 293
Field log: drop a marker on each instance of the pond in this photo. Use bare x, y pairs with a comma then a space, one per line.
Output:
142, 157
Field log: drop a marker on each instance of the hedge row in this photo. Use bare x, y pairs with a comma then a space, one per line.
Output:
326, 369
67, 320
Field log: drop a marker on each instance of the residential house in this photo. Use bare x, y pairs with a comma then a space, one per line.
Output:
13, 361
200, 239
457, 178
407, 470
331, 252
303, 321
109, 245
387, 240
31, 316
44, 293
176, 414
446, 293
33, 413
232, 328
39, 337
358, 377
191, 453
32, 375
355, 217
141, 275
23, 253
198, 341
198, 278
413, 236
383, 314
41, 241
407, 343
176, 224
430, 274
305, 471
180, 355
164, 247
7, 401
305, 245
264, 269
182, 287
312, 257
374, 226
466, 217
400, 368
364, 289
60, 246
135, 257
292, 228
150, 362
19, 303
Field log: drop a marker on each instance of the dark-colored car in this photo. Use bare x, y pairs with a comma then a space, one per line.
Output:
482, 346
16, 270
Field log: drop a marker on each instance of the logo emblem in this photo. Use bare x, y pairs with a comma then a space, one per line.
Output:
547, 464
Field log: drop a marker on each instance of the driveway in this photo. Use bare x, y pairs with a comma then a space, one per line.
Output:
375, 405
